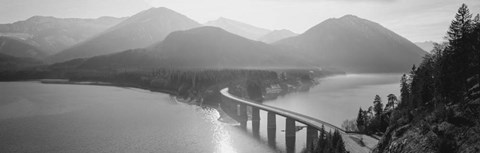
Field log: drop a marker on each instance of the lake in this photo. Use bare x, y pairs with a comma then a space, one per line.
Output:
36, 117
339, 97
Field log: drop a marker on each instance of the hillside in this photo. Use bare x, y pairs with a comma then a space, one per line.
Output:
355, 45
8, 63
138, 31
56, 34
439, 104
19, 48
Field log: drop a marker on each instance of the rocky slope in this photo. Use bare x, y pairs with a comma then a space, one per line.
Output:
455, 128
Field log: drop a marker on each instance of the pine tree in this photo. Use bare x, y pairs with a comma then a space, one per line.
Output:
475, 47
391, 102
377, 106
404, 91
339, 145
456, 65
460, 26
360, 120
321, 140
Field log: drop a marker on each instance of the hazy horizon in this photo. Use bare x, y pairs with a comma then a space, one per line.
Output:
417, 21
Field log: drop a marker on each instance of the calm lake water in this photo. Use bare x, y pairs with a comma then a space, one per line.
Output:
36, 117
339, 97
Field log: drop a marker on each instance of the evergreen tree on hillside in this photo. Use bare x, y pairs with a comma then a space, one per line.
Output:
454, 71
321, 141
475, 54
404, 91
360, 120
392, 99
377, 106
338, 143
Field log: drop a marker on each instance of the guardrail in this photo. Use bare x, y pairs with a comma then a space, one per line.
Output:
313, 125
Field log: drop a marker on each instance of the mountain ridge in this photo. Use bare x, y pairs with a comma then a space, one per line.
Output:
53, 34
20, 48
239, 28
355, 45
276, 35
138, 31
203, 47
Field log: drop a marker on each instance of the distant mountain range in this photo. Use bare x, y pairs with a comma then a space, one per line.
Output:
160, 37
277, 35
138, 31
242, 29
20, 48
204, 47
426, 45
355, 45
249, 31
52, 34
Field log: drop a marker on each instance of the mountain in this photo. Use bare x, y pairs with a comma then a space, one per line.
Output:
8, 62
55, 34
19, 48
140, 30
203, 47
239, 28
355, 45
276, 35
426, 45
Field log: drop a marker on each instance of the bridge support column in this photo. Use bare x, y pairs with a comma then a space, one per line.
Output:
312, 135
256, 121
271, 129
290, 135
243, 116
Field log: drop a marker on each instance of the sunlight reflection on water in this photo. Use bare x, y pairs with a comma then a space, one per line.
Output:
111, 119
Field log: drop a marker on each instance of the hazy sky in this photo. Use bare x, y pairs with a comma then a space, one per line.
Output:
417, 20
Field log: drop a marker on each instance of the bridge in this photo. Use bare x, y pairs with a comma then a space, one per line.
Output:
351, 139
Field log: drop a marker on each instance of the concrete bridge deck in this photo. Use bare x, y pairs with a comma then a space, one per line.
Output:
354, 141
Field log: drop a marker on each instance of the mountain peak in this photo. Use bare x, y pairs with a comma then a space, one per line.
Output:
140, 30
158, 9
155, 12
38, 18
349, 16
352, 44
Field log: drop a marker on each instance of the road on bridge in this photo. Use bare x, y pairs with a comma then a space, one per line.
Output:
354, 142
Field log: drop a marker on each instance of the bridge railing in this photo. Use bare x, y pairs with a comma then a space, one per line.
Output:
313, 125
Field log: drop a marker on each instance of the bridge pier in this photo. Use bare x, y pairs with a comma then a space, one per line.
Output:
271, 128
312, 135
291, 117
290, 134
243, 116
256, 121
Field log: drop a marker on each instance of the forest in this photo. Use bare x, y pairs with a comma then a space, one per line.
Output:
439, 99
